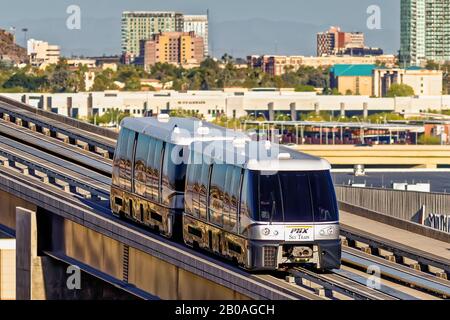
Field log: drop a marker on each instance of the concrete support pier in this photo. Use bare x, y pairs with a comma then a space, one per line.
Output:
29, 278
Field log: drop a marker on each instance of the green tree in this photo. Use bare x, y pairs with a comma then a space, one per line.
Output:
304, 88
26, 82
400, 90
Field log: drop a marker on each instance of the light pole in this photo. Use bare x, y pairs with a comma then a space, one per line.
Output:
25, 30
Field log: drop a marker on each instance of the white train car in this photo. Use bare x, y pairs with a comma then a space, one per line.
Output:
264, 206
261, 205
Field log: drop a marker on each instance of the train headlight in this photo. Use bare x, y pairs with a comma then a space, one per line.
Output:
266, 231
327, 231
275, 233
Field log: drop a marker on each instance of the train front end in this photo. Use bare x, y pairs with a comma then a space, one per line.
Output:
293, 217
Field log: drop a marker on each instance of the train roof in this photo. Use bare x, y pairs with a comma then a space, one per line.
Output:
180, 131
222, 145
258, 156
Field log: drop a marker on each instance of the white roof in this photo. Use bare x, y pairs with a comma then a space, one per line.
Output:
180, 131
258, 156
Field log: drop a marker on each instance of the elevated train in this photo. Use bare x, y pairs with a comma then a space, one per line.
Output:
261, 205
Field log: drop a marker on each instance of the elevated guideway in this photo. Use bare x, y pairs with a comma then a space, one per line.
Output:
419, 251
80, 229
84, 230
90, 137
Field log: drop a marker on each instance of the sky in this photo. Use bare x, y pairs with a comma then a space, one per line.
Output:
238, 27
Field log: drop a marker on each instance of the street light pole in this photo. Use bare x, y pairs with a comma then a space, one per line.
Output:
25, 30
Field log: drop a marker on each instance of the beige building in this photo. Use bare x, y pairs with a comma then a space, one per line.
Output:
42, 54
278, 65
181, 48
359, 85
90, 63
7, 268
424, 82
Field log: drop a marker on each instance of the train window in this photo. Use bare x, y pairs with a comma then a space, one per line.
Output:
270, 204
123, 136
216, 194
324, 197
248, 195
293, 197
204, 185
188, 195
174, 172
153, 168
235, 186
126, 155
231, 196
296, 196
140, 164
193, 190
227, 196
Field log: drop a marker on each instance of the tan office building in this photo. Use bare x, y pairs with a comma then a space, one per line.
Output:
424, 82
42, 54
180, 48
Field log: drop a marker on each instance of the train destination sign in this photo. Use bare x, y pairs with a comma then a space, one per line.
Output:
299, 233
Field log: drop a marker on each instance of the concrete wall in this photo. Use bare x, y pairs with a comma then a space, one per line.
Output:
145, 272
8, 204
39, 277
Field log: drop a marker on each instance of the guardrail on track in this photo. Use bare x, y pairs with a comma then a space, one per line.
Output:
63, 119
405, 205
395, 222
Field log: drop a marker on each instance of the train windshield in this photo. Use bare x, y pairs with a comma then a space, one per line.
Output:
293, 196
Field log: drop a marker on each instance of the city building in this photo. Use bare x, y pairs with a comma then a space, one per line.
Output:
90, 63
333, 41
142, 25
352, 79
425, 31
42, 54
424, 82
371, 80
278, 65
361, 52
199, 25
180, 48
231, 102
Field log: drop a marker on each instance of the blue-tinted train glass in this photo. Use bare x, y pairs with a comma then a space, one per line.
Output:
289, 197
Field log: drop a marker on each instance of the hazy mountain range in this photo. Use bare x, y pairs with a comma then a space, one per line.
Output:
249, 30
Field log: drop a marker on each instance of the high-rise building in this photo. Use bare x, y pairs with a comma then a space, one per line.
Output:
181, 48
199, 25
333, 41
142, 25
425, 31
